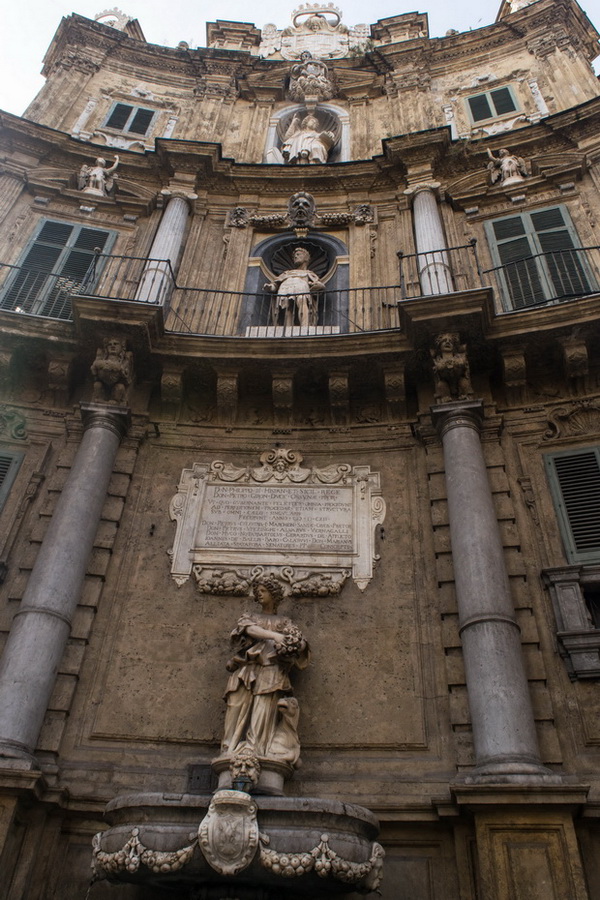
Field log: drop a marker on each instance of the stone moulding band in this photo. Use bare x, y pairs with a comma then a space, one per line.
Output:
484, 618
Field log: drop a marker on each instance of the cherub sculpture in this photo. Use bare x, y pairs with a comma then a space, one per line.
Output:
451, 375
113, 372
505, 167
98, 179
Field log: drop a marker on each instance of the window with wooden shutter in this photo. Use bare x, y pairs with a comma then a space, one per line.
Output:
53, 268
574, 478
538, 257
9, 466
491, 104
132, 119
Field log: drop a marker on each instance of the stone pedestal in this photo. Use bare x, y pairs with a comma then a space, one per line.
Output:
526, 841
502, 718
41, 626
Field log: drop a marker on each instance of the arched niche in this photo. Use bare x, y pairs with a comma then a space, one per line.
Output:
331, 117
272, 256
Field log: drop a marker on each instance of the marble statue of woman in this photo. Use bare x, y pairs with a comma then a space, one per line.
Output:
262, 714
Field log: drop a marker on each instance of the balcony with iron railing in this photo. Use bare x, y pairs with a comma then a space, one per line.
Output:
536, 280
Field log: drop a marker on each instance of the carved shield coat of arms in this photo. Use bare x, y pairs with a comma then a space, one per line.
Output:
228, 834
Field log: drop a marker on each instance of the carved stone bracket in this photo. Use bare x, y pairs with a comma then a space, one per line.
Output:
309, 526
576, 360
283, 398
227, 397
515, 374
339, 397
171, 388
395, 395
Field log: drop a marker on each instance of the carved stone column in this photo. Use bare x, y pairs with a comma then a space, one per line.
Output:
433, 262
502, 718
41, 626
156, 281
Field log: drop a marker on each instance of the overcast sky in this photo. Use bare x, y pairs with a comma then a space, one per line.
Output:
28, 26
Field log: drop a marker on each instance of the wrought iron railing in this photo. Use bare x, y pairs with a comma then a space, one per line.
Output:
530, 281
546, 277
439, 271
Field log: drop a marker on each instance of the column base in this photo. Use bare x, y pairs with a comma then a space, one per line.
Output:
16, 756
510, 773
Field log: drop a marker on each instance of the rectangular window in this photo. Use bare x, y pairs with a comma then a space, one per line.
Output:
538, 258
574, 477
491, 104
133, 119
9, 466
52, 268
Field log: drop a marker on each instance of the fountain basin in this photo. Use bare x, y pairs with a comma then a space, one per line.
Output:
281, 846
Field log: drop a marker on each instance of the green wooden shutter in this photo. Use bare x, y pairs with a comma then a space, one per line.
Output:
480, 107
119, 116
141, 121
9, 466
565, 265
516, 255
502, 101
574, 478
53, 266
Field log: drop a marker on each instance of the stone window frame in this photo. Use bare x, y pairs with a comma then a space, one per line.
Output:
577, 633
496, 116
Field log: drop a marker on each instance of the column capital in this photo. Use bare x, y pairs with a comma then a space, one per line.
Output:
430, 186
100, 415
168, 194
459, 414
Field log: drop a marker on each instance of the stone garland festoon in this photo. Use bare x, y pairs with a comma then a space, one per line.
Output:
322, 859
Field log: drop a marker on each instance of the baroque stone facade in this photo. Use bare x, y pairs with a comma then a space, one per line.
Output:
324, 333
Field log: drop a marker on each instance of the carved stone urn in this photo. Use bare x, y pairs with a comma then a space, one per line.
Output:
267, 848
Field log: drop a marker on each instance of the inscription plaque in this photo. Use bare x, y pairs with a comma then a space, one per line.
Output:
310, 527
312, 518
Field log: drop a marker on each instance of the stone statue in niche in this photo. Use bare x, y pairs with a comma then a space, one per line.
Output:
113, 372
262, 715
305, 143
295, 290
98, 179
506, 168
309, 80
451, 375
